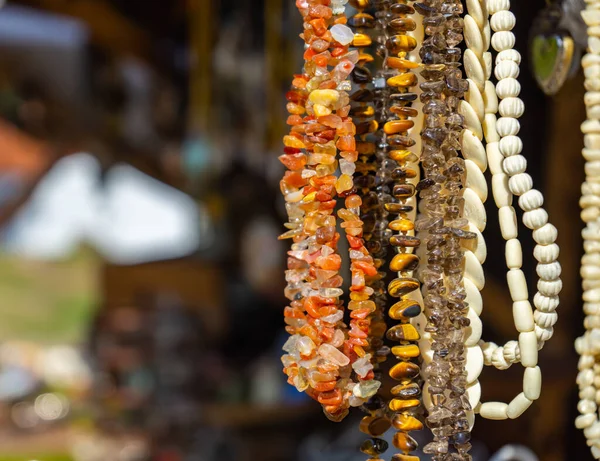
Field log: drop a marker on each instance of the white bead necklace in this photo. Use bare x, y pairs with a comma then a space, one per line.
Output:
502, 154
588, 346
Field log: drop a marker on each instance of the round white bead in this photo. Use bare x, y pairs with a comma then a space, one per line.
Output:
549, 287
531, 199
545, 235
546, 303
520, 183
506, 69
549, 271
508, 126
494, 6
546, 253
515, 165
508, 88
503, 20
511, 107
509, 55
535, 219
510, 145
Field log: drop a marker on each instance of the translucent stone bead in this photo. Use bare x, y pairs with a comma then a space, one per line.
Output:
342, 34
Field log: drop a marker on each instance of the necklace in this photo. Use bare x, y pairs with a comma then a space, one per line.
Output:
588, 346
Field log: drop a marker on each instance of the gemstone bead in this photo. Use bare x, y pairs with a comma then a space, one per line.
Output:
403, 441
410, 351
406, 422
398, 126
402, 225
401, 405
404, 332
405, 310
374, 447
375, 426
403, 286
401, 43
404, 370
406, 391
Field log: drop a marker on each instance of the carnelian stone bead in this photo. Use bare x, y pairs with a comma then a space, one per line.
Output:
406, 422
403, 441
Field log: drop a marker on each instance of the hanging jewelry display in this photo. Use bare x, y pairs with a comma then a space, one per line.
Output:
416, 115
588, 346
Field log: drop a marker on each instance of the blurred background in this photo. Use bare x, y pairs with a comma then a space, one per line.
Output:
141, 280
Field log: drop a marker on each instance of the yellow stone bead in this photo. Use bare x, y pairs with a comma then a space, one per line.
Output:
324, 97
410, 351
403, 332
403, 441
320, 110
362, 40
360, 4
404, 370
402, 225
404, 262
406, 422
403, 80
399, 405
402, 286
310, 197
365, 58
292, 141
402, 64
401, 43
398, 126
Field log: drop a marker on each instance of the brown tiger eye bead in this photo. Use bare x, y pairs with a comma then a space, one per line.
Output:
400, 405
401, 44
362, 20
404, 111
404, 370
405, 310
397, 208
362, 111
374, 447
403, 191
407, 352
402, 225
402, 8
401, 63
403, 332
401, 141
403, 262
405, 241
362, 40
375, 426
403, 441
362, 95
398, 126
367, 127
403, 24
360, 4
365, 148
406, 422
406, 391
401, 287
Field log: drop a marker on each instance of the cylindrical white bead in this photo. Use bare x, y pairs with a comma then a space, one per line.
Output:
518, 406
529, 350
532, 383
502, 194
494, 410
523, 316
514, 254
517, 285
508, 222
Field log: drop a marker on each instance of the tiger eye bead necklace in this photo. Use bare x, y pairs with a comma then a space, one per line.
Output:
588, 346
395, 83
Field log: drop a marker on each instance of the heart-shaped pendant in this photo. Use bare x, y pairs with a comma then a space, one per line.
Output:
552, 60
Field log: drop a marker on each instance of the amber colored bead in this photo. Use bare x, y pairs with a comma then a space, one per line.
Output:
406, 422
405, 241
375, 426
398, 126
407, 352
401, 225
403, 332
400, 405
361, 40
401, 63
404, 97
405, 310
404, 370
404, 262
403, 173
403, 441
362, 111
400, 457
404, 111
374, 447
403, 80
403, 191
403, 156
362, 20
402, 286
401, 43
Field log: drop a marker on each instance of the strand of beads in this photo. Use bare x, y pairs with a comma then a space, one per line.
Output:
442, 225
314, 362
376, 423
504, 149
588, 346
395, 81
